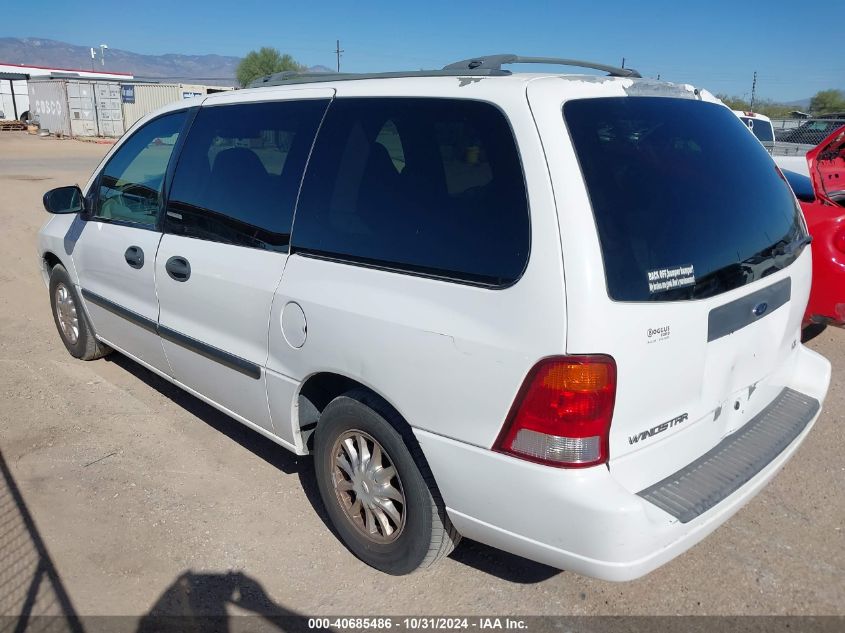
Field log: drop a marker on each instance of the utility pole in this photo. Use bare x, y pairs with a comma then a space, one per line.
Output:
337, 51
623, 62
753, 90
103, 48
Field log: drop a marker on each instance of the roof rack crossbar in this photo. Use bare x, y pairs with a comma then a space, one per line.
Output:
494, 62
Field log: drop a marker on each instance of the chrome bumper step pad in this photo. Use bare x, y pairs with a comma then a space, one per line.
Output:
730, 464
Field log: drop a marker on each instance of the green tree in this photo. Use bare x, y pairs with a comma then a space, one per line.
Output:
827, 102
770, 108
264, 61
734, 103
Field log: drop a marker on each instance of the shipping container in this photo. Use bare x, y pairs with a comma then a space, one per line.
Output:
94, 108
138, 100
49, 106
77, 107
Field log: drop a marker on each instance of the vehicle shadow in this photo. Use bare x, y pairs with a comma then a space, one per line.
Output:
205, 602
31, 591
470, 553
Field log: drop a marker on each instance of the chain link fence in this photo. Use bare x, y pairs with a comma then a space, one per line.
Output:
32, 597
799, 136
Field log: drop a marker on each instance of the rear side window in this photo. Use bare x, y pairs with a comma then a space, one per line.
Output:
686, 202
431, 186
130, 185
239, 172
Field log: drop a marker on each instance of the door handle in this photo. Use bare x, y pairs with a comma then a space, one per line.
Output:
178, 268
134, 256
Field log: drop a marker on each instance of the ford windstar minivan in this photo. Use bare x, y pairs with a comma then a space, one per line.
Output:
557, 314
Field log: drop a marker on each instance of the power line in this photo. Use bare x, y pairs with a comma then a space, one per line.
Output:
337, 51
753, 91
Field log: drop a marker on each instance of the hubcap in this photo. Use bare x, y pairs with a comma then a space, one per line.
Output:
368, 487
66, 314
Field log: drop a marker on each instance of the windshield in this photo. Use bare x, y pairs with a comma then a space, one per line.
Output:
687, 204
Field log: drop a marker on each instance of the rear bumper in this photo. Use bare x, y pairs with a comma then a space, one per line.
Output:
584, 520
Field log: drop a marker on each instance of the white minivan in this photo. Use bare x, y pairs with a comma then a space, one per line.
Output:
557, 314
760, 126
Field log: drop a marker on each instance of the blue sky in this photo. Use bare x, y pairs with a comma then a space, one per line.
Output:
711, 43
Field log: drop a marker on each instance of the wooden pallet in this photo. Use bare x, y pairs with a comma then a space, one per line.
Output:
12, 126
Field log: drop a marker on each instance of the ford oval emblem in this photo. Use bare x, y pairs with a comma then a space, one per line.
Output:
760, 309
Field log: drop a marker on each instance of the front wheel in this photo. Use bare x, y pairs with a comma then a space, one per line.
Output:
379, 495
71, 322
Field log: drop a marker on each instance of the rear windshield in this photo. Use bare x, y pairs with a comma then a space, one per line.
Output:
762, 129
687, 204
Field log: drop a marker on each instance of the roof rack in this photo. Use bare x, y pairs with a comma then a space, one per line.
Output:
293, 77
488, 66
494, 62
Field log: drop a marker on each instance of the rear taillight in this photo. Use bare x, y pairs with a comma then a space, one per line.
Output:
561, 415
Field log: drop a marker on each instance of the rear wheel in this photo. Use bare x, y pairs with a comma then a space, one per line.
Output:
379, 495
71, 322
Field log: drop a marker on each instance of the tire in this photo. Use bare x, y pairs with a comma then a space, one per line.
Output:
71, 321
422, 534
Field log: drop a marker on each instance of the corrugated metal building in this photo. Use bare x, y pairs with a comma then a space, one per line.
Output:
78, 107
14, 101
139, 100
19, 99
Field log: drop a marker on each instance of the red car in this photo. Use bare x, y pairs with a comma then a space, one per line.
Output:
820, 197
826, 163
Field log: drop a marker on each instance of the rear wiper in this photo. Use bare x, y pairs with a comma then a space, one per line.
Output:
780, 248
790, 248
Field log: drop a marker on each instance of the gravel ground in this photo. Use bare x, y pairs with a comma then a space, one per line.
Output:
142, 499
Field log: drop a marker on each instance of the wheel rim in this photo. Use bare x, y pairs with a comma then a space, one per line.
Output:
368, 487
66, 314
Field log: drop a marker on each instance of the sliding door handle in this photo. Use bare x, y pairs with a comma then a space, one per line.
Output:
178, 268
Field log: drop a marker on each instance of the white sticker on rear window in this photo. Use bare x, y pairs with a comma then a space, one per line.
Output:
670, 278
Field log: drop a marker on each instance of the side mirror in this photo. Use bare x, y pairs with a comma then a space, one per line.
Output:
64, 200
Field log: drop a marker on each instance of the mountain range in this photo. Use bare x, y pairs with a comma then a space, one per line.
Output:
206, 69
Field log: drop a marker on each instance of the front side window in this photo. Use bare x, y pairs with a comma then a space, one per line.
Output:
239, 172
131, 182
687, 204
430, 186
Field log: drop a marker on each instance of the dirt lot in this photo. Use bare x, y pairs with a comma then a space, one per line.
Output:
147, 500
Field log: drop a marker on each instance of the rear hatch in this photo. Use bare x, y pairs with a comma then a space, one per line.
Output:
704, 275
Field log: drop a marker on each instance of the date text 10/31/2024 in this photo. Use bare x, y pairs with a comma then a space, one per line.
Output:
417, 623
